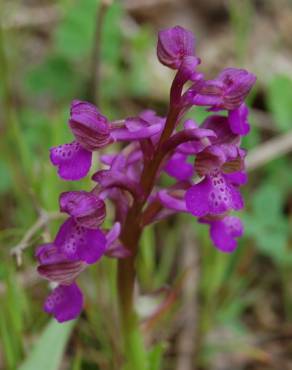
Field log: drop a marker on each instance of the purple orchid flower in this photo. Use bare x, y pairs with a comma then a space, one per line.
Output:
227, 91
205, 162
92, 132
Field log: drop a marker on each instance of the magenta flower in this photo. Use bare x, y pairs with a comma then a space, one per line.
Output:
91, 131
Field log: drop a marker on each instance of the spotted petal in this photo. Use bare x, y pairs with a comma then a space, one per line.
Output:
213, 195
72, 160
224, 233
78, 243
65, 302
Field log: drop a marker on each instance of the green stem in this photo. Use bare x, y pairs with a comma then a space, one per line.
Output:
130, 236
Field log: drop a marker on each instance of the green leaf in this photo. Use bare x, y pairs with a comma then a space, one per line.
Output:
280, 101
49, 349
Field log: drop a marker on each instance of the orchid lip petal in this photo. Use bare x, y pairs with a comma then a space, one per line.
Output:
72, 160
224, 232
65, 302
215, 194
78, 243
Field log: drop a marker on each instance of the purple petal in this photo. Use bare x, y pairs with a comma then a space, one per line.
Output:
213, 195
224, 233
86, 208
90, 128
151, 117
72, 160
124, 134
54, 265
113, 234
220, 125
237, 178
238, 120
178, 167
172, 202
209, 159
227, 91
138, 128
197, 198
80, 244
114, 248
190, 124
115, 179
48, 253
237, 85
205, 93
173, 45
65, 302
188, 135
64, 273
226, 157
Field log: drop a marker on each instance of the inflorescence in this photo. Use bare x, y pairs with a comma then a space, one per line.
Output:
205, 161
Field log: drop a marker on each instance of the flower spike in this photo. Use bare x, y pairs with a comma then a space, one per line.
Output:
205, 162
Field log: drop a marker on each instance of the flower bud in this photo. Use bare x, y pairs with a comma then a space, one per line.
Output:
173, 45
90, 128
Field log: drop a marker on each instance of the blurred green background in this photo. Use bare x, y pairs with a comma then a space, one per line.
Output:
220, 312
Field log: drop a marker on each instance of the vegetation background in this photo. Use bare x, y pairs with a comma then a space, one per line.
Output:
216, 311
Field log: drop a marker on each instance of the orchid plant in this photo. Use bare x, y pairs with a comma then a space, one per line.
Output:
205, 161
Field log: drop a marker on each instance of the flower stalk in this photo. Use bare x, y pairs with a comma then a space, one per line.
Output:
130, 237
